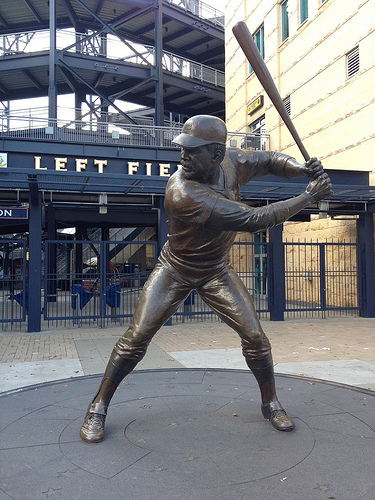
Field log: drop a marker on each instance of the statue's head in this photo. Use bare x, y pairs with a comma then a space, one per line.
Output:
200, 130
202, 144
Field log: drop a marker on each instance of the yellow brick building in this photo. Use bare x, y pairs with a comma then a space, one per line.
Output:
321, 54
322, 58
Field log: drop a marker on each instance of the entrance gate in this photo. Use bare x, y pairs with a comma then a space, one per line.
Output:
322, 279
94, 282
250, 261
98, 282
13, 283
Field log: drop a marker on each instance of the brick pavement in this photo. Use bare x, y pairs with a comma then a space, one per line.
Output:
348, 338
16, 347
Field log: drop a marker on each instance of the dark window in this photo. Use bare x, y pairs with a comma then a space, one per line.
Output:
284, 21
259, 42
303, 10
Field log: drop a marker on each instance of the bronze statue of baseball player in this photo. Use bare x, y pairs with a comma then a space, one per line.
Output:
204, 212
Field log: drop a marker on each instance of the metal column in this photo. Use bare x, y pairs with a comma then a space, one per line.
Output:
277, 274
35, 256
159, 98
52, 90
365, 227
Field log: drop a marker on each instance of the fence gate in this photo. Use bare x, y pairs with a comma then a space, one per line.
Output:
250, 261
94, 282
13, 283
98, 282
322, 279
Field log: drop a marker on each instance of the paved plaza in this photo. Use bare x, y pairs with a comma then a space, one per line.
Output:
189, 434
340, 350
186, 425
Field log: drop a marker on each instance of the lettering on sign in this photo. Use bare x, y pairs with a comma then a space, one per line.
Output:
60, 164
6, 212
13, 213
255, 104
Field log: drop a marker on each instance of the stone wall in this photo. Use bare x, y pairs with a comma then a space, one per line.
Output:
338, 230
303, 262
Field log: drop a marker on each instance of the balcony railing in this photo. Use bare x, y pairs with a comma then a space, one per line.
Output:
201, 10
109, 47
111, 133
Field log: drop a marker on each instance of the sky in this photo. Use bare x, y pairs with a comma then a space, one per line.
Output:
217, 4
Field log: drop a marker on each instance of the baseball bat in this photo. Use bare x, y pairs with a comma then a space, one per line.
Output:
247, 44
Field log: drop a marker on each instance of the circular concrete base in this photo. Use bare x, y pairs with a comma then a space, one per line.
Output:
189, 434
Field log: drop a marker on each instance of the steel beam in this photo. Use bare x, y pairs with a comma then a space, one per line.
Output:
52, 87
159, 86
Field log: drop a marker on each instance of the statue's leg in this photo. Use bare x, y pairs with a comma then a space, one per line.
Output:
229, 298
92, 430
159, 299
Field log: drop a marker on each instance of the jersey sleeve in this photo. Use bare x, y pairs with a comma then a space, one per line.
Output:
252, 164
228, 215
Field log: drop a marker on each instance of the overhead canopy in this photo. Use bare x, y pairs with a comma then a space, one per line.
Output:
267, 189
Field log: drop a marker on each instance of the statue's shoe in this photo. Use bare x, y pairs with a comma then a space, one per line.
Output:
276, 414
92, 430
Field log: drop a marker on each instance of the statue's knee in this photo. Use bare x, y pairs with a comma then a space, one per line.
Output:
256, 347
132, 345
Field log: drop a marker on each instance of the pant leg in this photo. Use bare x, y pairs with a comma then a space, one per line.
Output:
159, 299
228, 297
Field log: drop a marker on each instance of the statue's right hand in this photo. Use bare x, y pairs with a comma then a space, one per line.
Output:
320, 188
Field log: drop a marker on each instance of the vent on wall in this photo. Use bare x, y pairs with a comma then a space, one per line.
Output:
352, 59
287, 105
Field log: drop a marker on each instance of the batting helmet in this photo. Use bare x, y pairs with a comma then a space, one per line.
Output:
200, 130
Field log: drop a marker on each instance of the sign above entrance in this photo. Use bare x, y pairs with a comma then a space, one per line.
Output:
13, 213
163, 167
255, 105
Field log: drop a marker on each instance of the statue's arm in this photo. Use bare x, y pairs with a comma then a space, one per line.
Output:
229, 215
289, 168
252, 164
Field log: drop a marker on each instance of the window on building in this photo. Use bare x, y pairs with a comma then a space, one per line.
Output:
259, 42
352, 62
284, 21
287, 105
303, 10
258, 126
257, 140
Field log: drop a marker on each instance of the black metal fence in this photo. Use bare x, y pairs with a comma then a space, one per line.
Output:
322, 279
94, 282
89, 283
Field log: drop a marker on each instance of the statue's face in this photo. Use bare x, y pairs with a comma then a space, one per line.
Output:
199, 164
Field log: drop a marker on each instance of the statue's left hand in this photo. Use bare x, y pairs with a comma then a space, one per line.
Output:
312, 168
320, 188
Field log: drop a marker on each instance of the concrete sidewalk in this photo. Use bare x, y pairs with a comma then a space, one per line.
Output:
339, 350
